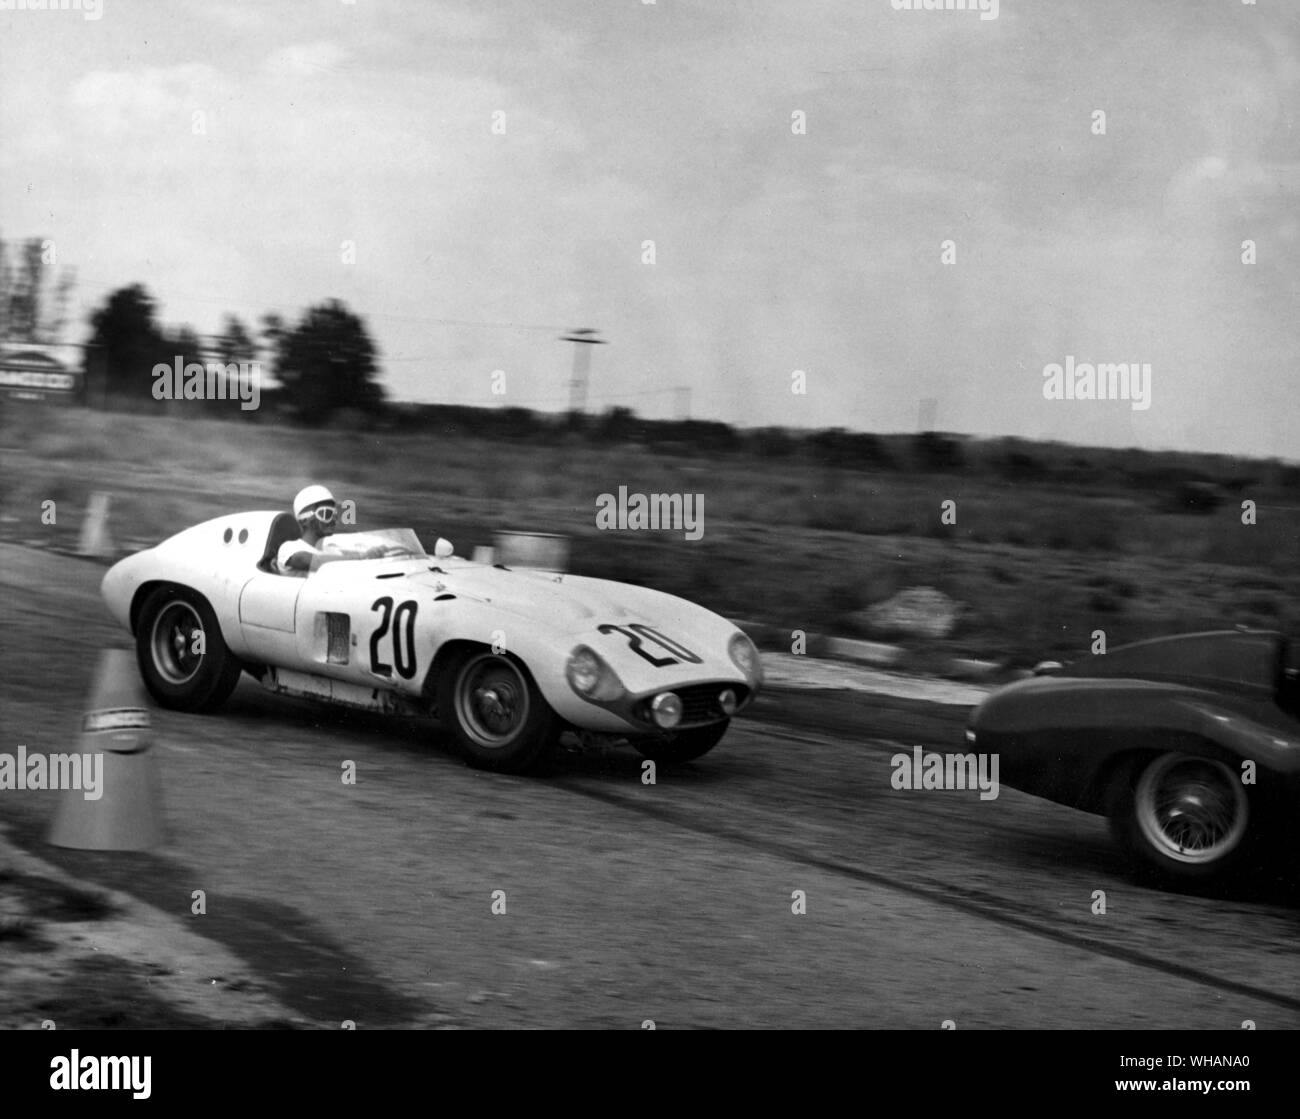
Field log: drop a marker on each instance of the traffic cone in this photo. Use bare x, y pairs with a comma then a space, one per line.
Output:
95, 539
126, 815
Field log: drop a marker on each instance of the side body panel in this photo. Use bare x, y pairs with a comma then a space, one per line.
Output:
1059, 737
381, 623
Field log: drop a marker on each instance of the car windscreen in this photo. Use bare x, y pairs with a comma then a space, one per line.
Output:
403, 539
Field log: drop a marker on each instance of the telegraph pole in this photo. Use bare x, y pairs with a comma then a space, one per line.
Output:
582, 339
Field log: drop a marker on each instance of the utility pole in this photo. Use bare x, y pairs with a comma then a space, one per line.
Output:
582, 339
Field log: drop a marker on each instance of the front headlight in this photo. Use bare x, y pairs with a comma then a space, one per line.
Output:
591, 677
745, 657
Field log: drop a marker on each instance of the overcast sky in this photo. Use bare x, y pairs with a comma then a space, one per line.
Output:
372, 123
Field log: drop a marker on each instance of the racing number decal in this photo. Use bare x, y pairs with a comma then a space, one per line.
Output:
376, 665
636, 631
403, 624
404, 645
636, 645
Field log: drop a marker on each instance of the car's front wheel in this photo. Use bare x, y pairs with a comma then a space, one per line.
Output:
495, 712
683, 745
183, 657
1182, 817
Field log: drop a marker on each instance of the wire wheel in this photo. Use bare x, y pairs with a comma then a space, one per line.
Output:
1190, 810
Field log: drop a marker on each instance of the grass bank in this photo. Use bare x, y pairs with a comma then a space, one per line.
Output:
1038, 567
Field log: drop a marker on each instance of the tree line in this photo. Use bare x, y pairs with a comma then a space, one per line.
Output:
326, 366
324, 363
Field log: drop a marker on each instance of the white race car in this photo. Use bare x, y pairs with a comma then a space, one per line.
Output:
506, 659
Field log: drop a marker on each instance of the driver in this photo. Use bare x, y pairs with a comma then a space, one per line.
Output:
316, 512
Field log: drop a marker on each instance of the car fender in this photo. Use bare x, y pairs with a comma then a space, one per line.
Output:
215, 559
1060, 737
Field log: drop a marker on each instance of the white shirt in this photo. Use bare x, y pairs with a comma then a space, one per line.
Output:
292, 548
351, 545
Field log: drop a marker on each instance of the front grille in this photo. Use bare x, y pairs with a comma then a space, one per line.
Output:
700, 702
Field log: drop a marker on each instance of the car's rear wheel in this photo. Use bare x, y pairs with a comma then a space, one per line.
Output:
1183, 817
683, 745
495, 712
183, 657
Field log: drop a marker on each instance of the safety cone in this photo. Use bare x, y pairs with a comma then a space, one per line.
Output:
126, 815
95, 539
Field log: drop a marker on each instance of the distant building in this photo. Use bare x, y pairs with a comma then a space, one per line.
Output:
32, 371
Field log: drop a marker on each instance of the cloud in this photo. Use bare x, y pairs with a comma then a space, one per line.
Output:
1208, 194
114, 101
371, 124
305, 60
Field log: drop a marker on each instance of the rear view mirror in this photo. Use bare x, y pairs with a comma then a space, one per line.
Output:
443, 548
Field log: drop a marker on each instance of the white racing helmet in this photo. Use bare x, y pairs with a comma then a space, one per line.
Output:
312, 495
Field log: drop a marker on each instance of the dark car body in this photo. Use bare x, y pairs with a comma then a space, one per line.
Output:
1081, 734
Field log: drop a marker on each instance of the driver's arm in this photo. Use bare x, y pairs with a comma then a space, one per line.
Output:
299, 561
331, 557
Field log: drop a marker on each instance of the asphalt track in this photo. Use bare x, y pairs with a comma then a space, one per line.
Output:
627, 902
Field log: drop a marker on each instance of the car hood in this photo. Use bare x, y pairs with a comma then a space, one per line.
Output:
567, 604
1230, 659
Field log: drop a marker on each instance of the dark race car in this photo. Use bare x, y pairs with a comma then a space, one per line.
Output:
1189, 744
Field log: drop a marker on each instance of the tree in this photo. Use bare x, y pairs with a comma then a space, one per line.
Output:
184, 342
771, 442
270, 332
852, 450
937, 452
130, 342
618, 425
33, 301
327, 363
234, 343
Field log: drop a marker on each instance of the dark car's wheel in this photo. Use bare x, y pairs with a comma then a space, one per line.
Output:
1182, 817
496, 714
183, 657
683, 745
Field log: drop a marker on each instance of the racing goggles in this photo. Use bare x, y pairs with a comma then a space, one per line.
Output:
323, 513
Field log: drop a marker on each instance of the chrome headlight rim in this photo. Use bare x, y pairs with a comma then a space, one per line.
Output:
744, 655
591, 678
666, 710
